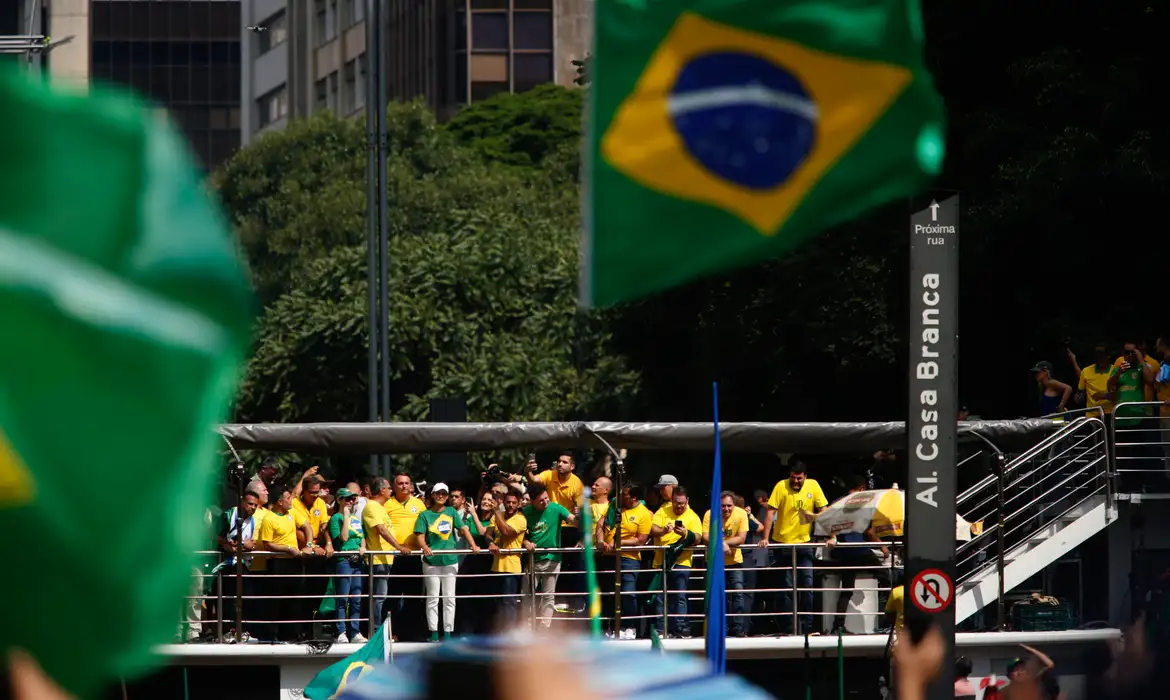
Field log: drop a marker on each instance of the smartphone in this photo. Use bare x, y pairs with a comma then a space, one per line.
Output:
531, 456
678, 523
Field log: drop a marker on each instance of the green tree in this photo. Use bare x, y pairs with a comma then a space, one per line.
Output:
584, 68
521, 129
483, 280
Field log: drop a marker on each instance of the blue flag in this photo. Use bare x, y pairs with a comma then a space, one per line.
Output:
716, 596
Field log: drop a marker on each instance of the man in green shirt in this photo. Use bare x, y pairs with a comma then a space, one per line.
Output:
544, 532
436, 528
1135, 436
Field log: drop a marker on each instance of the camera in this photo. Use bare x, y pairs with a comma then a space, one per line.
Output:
494, 474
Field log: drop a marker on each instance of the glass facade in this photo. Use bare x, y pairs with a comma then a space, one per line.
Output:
506, 47
183, 54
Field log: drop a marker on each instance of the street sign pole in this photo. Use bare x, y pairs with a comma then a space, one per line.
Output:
933, 423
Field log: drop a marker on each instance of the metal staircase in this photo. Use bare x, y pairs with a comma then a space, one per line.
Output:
1035, 508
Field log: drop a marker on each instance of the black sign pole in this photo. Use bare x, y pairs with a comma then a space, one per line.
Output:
932, 425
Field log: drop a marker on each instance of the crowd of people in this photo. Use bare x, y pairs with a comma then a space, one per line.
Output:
439, 560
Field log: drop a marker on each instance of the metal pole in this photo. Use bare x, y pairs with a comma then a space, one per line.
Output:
532, 589
219, 606
619, 483
372, 276
665, 598
383, 225
1000, 605
795, 595
840, 665
374, 614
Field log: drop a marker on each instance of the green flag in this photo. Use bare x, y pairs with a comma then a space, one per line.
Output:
126, 317
726, 131
333, 680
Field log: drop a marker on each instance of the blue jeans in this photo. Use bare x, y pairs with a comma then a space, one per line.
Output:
736, 600
378, 609
347, 581
629, 593
677, 579
782, 559
510, 602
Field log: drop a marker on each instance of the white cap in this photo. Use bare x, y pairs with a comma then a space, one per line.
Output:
440, 487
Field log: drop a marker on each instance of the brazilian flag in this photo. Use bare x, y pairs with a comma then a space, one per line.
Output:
726, 131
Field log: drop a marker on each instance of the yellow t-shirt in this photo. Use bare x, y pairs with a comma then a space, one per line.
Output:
896, 605
510, 563
734, 526
635, 522
258, 517
665, 517
402, 517
569, 494
316, 517
1093, 382
373, 515
277, 529
598, 511
788, 527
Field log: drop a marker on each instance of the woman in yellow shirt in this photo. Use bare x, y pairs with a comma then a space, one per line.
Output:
508, 526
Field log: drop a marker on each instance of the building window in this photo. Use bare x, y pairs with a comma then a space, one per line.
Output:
320, 21
532, 30
321, 95
360, 93
530, 70
348, 94
489, 31
272, 106
273, 32
333, 91
357, 11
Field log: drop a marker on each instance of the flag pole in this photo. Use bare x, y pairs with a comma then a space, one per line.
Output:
716, 632
590, 566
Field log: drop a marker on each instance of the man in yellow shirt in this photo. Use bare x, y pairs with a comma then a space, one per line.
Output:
508, 528
406, 584
380, 538
605, 565
636, 523
795, 495
1094, 381
675, 526
278, 533
735, 530
895, 607
311, 516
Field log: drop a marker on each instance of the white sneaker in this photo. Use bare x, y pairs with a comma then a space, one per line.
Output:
359, 638
629, 634
342, 639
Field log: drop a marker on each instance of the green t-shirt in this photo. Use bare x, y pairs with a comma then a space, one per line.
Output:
354, 543
544, 529
1130, 387
438, 530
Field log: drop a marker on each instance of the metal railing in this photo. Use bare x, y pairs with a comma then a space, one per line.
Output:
1141, 443
1042, 485
659, 600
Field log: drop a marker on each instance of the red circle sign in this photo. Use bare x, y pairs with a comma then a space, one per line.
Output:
931, 590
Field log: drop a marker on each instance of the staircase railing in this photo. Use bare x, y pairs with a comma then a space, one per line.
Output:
1027, 493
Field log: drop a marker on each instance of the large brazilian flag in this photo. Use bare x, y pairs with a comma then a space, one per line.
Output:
726, 131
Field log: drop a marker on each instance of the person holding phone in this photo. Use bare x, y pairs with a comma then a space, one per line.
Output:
1127, 385
677, 528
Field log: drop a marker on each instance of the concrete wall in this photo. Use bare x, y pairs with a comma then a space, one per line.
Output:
68, 64
572, 37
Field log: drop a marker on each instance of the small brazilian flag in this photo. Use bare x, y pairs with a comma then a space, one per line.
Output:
725, 131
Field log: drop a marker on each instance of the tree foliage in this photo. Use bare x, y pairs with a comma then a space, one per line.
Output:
521, 129
483, 278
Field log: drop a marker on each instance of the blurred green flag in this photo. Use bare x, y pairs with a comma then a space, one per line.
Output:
126, 315
726, 131
333, 680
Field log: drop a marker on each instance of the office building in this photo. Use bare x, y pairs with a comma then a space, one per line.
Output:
183, 55
303, 56
65, 22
